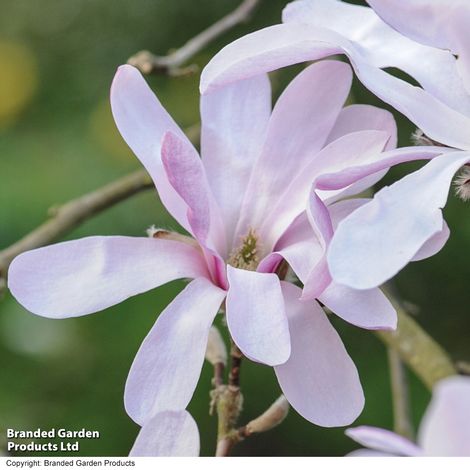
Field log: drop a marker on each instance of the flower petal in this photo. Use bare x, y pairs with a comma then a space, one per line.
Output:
380, 238
263, 51
298, 246
364, 117
320, 221
142, 122
430, 114
168, 434
255, 316
281, 45
379, 45
167, 366
234, 121
187, 176
355, 118
300, 123
383, 441
367, 309
445, 428
434, 244
431, 20
364, 308
84, 276
348, 151
319, 380
369, 453
341, 177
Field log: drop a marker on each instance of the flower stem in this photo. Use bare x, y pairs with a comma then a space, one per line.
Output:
429, 361
229, 402
400, 395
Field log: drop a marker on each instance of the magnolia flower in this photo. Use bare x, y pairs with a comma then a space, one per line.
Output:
378, 240
244, 206
444, 430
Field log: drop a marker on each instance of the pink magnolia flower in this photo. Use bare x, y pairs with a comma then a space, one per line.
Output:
378, 240
444, 430
244, 205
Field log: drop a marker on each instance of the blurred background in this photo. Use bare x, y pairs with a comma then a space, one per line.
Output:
58, 141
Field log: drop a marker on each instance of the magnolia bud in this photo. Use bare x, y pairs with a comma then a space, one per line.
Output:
216, 352
271, 418
462, 184
154, 232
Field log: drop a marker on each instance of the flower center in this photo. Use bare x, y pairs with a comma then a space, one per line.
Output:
246, 255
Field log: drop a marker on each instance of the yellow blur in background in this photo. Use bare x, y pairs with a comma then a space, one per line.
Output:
18, 80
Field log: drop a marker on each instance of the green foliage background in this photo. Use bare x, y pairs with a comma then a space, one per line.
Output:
57, 141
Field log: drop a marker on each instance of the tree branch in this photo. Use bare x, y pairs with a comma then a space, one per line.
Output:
229, 402
73, 213
418, 350
170, 64
266, 421
400, 395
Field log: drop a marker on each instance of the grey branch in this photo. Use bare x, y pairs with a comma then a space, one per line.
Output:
171, 64
418, 350
400, 395
70, 215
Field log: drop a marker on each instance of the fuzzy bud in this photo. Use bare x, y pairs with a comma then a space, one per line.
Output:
271, 418
216, 352
420, 138
462, 184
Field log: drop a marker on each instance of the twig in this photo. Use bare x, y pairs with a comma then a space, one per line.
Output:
170, 64
229, 402
400, 395
463, 367
268, 420
234, 376
418, 350
70, 215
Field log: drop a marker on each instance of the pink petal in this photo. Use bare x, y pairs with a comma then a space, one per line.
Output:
84, 276
364, 308
323, 221
234, 122
142, 122
364, 117
430, 114
445, 428
168, 434
355, 118
187, 176
342, 209
167, 366
298, 246
438, 23
348, 151
319, 277
375, 43
358, 170
434, 244
383, 441
319, 380
264, 51
281, 45
430, 23
369, 453
255, 316
301, 121
380, 238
